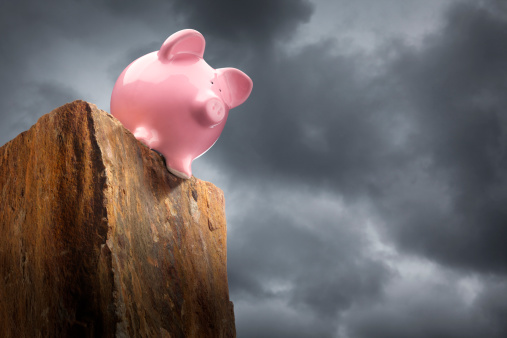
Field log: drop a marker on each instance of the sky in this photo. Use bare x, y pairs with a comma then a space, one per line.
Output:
365, 177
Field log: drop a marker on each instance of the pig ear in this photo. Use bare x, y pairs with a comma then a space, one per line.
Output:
185, 41
237, 86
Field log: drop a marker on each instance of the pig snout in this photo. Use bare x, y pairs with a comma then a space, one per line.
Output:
212, 112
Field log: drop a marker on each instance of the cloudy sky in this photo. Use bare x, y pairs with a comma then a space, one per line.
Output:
365, 177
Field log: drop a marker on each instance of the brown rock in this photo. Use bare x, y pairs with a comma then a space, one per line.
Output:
98, 239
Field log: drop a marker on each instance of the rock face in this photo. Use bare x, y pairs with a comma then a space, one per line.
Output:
98, 239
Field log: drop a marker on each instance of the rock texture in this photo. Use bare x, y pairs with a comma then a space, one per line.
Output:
98, 239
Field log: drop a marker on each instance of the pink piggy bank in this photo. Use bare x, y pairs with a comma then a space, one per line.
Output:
175, 103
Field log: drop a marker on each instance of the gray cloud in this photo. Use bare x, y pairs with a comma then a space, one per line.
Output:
422, 139
255, 22
23, 113
431, 123
298, 254
410, 313
456, 87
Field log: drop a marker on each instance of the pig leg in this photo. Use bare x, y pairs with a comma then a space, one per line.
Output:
180, 168
147, 136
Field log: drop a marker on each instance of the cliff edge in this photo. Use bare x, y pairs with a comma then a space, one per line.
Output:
98, 239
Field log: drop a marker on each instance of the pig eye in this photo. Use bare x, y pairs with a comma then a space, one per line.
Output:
211, 82
220, 90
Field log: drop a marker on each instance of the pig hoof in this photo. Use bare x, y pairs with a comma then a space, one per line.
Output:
148, 137
178, 173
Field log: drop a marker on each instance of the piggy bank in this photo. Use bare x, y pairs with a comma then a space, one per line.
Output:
175, 103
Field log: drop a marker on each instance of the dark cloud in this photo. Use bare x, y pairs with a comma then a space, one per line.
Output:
457, 85
408, 312
492, 306
251, 22
442, 315
422, 139
312, 117
271, 319
305, 253
430, 123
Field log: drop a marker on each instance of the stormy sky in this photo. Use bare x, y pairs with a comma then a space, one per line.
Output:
365, 177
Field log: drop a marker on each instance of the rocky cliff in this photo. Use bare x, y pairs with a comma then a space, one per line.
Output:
98, 239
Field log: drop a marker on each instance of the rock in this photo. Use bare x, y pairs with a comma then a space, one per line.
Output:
100, 240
